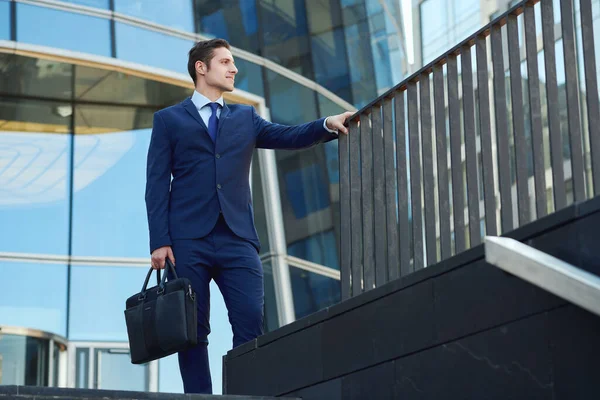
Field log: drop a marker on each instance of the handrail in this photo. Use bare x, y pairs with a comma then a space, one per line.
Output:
428, 170
545, 271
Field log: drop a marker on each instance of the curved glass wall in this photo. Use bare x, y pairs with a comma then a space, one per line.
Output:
178, 14
29, 357
73, 143
63, 29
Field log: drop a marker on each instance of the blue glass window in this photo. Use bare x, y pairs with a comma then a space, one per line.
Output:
99, 294
249, 77
34, 176
319, 248
64, 30
34, 296
109, 181
152, 48
235, 21
307, 190
312, 292
5, 25
291, 103
177, 14
330, 63
285, 34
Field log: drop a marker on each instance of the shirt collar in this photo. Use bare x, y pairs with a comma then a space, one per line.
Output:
200, 100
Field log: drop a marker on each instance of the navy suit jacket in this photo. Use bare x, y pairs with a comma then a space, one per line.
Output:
209, 178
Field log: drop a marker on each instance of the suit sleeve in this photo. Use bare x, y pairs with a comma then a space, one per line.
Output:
158, 183
276, 136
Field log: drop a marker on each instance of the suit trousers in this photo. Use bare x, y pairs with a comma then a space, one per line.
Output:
235, 266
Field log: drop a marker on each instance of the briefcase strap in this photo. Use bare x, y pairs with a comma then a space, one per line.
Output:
159, 282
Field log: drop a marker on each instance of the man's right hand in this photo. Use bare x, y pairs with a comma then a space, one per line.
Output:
159, 255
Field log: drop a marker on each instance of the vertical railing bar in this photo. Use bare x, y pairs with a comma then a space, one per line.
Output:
573, 111
366, 152
393, 268
489, 186
428, 178
442, 162
470, 145
535, 108
556, 155
415, 176
345, 215
456, 157
402, 185
379, 197
591, 85
356, 236
501, 130
518, 118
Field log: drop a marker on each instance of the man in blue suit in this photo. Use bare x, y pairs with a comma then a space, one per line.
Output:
204, 216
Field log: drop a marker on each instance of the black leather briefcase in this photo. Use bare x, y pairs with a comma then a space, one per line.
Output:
163, 319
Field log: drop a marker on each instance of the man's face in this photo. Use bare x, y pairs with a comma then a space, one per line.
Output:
221, 74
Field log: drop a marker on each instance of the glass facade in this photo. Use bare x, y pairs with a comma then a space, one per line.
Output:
74, 136
64, 30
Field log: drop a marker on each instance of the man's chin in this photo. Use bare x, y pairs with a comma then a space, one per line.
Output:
228, 88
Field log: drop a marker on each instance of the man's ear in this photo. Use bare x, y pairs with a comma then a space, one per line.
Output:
200, 67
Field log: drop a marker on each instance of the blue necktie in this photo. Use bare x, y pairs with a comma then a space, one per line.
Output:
213, 121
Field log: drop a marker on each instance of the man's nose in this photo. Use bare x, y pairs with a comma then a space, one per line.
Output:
234, 70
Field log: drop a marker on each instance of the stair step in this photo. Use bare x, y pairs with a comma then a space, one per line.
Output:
47, 393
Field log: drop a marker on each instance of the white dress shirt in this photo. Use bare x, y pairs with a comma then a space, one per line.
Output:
202, 105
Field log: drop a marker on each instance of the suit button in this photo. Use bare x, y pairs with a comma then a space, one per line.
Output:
218, 155
219, 186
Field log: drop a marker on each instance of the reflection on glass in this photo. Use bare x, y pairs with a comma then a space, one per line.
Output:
93, 84
312, 292
64, 30
35, 77
114, 371
5, 25
330, 63
34, 176
285, 34
91, 3
109, 181
235, 21
319, 248
111, 284
25, 302
249, 77
306, 188
358, 45
152, 48
23, 360
178, 14
291, 103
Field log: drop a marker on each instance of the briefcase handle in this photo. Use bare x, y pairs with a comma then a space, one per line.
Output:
159, 282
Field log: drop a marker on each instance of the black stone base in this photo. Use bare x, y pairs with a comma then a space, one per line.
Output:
461, 329
47, 393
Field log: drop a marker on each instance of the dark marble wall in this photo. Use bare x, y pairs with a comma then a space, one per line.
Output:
462, 329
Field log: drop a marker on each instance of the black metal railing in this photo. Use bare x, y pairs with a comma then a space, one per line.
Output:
447, 156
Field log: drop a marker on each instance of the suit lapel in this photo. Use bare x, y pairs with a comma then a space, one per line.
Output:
223, 118
193, 111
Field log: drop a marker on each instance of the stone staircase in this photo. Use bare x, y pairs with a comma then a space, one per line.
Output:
47, 393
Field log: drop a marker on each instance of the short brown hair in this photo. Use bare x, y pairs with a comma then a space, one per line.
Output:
204, 51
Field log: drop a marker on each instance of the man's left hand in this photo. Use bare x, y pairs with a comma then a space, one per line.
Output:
338, 121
